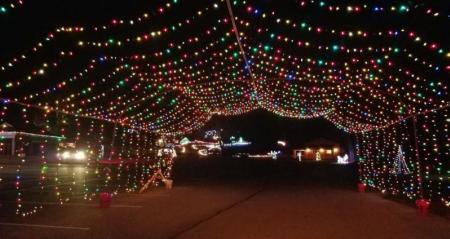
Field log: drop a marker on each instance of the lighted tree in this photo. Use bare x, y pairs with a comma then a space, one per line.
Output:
400, 167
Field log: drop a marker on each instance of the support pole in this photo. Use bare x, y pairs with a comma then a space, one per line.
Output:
416, 145
111, 150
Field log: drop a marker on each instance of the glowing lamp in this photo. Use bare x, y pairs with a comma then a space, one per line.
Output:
79, 155
65, 155
281, 143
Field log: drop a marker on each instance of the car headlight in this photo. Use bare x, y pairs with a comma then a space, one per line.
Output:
65, 155
79, 155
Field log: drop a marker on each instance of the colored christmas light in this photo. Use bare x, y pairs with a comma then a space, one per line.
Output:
142, 78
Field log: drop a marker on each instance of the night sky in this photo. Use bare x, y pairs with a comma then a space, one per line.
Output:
23, 27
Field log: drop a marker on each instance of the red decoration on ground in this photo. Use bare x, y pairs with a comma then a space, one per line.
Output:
361, 187
105, 200
422, 207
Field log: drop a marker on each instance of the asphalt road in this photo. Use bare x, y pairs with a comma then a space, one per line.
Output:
237, 199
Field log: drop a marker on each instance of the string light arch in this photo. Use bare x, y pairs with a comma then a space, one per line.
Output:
230, 57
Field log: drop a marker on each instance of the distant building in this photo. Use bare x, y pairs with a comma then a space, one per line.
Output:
21, 144
318, 150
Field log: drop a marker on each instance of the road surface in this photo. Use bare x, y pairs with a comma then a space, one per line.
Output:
237, 199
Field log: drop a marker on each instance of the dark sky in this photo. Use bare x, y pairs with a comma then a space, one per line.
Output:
21, 28
25, 26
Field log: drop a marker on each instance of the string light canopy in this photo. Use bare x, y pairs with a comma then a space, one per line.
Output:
375, 70
6, 6
206, 62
